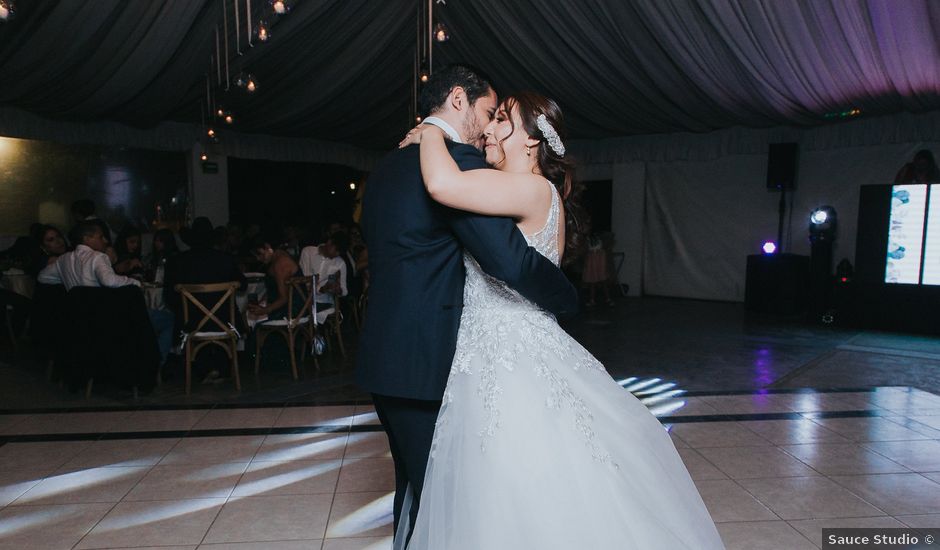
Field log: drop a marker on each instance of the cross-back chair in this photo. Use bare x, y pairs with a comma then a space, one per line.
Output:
219, 332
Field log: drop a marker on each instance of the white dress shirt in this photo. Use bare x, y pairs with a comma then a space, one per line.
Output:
326, 268
310, 259
443, 125
83, 267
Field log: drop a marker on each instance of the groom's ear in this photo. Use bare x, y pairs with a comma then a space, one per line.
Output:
458, 98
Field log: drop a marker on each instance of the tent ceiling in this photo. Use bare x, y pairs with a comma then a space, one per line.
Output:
342, 70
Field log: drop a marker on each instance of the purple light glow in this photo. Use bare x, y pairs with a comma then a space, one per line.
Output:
769, 247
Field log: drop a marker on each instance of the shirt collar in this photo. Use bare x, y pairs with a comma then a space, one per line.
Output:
443, 125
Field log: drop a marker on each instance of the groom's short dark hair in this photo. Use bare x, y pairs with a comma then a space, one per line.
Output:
438, 87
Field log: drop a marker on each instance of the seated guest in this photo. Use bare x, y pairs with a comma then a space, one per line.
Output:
128, 252
164, 247
84, 210
330, 268
201, 264
281, 267
310, 259
51, 245
19, 254
87, 265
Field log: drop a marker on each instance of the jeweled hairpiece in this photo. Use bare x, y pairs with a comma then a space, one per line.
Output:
551, 136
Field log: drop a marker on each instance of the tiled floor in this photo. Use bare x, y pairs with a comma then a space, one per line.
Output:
290, 465
773, 469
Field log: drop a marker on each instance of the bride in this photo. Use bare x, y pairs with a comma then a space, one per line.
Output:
536, 446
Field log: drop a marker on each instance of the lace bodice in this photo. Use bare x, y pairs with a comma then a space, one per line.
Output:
483, 291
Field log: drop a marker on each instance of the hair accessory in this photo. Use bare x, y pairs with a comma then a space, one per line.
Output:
550, 135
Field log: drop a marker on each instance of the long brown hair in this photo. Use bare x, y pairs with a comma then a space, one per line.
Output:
555, 168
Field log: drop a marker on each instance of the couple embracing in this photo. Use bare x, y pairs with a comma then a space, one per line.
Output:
505, 430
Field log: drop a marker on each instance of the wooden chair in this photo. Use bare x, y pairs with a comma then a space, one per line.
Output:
333, 325
225, 335
303, 323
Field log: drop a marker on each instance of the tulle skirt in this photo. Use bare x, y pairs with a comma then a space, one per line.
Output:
537, 447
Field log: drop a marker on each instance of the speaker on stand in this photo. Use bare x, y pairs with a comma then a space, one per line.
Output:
778, 282
781, 176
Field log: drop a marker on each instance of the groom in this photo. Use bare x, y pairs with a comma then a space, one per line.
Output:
417, 276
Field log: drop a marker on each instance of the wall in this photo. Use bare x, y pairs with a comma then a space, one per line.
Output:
687, 226
209, 192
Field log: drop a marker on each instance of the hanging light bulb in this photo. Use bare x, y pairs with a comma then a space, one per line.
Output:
210, 132
352, 186
424, 73
228, 118
203, 157
220, 112
418, 119
262, 33
280, 7
7, 10
251, 84
440, 33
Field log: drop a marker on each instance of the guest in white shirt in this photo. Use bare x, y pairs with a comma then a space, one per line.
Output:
327, 264
310, 258
87, 265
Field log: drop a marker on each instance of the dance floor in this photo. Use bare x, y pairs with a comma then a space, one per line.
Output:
773, 467
786, 427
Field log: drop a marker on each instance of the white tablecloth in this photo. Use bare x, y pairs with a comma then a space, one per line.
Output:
16, 280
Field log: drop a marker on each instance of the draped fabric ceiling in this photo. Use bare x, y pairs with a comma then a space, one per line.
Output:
342, 70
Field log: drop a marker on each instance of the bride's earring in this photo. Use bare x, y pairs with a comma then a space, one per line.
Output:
527, 151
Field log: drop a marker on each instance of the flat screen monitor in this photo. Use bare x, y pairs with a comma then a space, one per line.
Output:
912, 255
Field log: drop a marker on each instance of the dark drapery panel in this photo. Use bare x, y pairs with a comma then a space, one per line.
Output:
341, 70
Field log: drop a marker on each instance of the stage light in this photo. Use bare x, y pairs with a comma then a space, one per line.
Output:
769, 247
822, 223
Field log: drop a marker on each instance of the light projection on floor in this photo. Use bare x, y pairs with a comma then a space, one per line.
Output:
375, 514
661, 398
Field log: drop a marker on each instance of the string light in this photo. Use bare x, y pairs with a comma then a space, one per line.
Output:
843, 114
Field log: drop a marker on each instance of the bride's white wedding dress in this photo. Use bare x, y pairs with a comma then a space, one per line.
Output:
537, 447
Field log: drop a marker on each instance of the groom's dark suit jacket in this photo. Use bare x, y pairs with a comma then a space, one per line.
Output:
417, 275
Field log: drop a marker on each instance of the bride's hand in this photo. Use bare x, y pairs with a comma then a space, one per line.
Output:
414, 135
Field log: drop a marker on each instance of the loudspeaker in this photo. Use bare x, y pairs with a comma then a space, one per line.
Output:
781, 166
